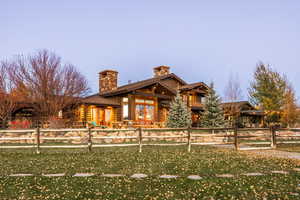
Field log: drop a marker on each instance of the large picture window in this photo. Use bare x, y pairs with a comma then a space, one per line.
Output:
144, 110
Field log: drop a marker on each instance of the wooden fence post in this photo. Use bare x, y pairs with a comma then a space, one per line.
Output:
89, 140
38, 142
273, 137
189, 139
140, 139
236, 142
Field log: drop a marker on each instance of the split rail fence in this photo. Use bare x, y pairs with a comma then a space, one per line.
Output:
240, 139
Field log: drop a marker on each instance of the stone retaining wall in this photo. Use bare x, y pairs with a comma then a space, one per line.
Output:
84, 137
263, 135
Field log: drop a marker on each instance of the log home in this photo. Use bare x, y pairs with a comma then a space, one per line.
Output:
143, 103
249, 116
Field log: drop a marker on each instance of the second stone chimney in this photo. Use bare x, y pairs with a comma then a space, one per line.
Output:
108, 81
161, 71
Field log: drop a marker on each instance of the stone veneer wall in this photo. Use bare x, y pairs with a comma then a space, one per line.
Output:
84, 137
264, 135
108, 81
161, 71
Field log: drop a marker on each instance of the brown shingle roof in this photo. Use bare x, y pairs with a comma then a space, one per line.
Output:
99, 100
193, 86
144, 83
237, 104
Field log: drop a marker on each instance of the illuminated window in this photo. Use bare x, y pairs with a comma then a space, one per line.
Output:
125, 108
139, 100
149, 101
60, 114
140, 112
149, 112
94, 114
81, 113
191, 100
144, 109
108, 115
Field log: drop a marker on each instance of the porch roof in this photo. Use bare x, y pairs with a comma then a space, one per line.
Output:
238, 105
193, 86
253, 112
96, 99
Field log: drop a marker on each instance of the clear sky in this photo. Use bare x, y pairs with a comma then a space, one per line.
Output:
200, 40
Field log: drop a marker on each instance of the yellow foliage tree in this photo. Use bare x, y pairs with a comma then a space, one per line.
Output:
290, 113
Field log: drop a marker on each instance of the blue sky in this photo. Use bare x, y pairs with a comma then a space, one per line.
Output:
200, 40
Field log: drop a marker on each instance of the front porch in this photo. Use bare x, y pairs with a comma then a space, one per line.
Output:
96, 115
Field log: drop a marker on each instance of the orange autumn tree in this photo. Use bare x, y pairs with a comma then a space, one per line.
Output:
290, 114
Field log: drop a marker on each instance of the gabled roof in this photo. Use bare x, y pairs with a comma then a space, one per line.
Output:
193, 86
140, 84
237, 103
254, 112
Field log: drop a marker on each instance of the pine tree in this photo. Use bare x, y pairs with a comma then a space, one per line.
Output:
213, 115
267, 91
179, 115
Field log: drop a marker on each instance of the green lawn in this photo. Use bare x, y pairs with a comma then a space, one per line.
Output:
204, 161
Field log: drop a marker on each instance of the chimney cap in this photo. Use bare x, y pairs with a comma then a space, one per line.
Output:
108, 70
162, 66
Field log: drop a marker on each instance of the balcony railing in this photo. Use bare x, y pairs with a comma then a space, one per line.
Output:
196, 104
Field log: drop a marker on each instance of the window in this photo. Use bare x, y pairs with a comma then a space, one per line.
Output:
125, 100
191, 99
60, 114
108, 114
149, 101
140, 112
81, 113
94, 114
139, 101
198, 99
149, 112
203, 100
144, 109
125, 108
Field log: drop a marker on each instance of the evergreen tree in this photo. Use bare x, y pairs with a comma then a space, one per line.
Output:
213, 115
267, 91
179, 115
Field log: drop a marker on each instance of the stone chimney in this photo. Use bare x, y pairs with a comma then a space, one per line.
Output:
108, 81
161, 71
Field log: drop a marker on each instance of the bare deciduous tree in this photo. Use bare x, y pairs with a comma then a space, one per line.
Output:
7, 99
233, 94
48, 84
233, 91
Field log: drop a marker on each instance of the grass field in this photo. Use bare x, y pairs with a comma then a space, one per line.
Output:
204, 161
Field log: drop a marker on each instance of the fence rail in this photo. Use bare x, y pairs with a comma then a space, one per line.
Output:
231, 136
